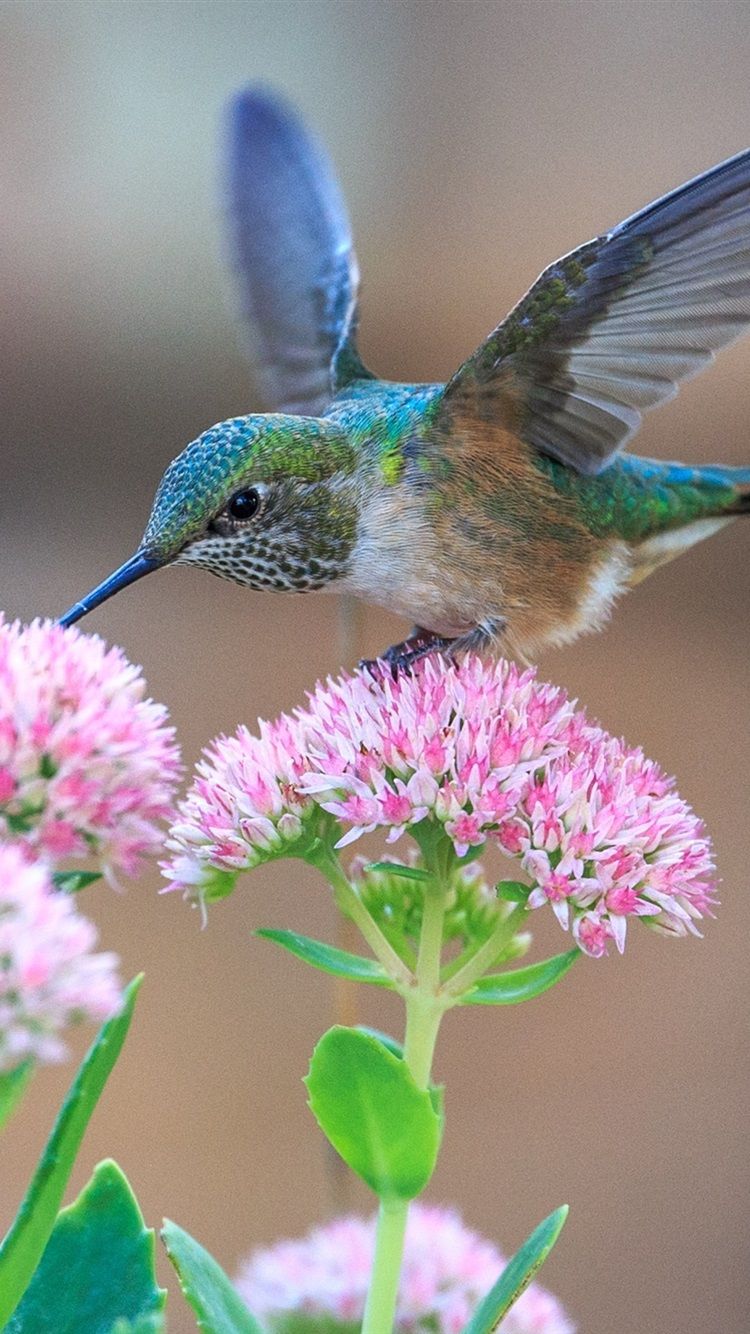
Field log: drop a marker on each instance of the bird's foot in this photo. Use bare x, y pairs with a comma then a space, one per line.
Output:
402, 657
483, 638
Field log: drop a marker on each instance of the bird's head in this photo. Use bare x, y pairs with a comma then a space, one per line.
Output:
268, 501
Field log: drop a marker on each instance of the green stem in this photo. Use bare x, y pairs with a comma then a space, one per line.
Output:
382, 1296
477, 965
424, 1010
352, 906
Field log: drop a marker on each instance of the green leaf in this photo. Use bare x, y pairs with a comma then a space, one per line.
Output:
391, 1044
517, 1274
520, 984
12, 1088
328, 958
70, 882
97, 1270
217, 1305
395, 868
366, 1102
18, 822
219, 885
47, 767
28, 1235
513, 891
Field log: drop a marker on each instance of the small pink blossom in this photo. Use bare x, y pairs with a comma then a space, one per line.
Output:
486, 752
88, 766
244, 807
49, 976
446, 1272
627, 846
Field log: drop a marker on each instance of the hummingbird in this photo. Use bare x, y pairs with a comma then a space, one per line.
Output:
497, 511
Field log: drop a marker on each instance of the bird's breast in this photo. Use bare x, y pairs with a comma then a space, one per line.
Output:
489, 540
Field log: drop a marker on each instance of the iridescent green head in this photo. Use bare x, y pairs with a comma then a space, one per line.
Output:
267, 501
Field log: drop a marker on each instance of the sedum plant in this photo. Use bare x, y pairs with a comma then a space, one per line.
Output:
448, 763
459, 759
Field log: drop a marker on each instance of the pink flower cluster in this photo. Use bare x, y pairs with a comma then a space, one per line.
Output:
605, 838
245, 805
456, 743
48, 976
88, 767
447, 1271
489, 753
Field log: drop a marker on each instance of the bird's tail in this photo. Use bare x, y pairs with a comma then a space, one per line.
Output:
739, 480
700, 501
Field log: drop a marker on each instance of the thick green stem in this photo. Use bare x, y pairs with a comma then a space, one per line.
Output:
477, 965
426, 1000
352, 906
382, 1296
424, 1010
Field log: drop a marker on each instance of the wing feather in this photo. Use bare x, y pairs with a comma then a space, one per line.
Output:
611, 329
291, 249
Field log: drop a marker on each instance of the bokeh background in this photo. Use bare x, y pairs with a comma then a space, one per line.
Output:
477, 141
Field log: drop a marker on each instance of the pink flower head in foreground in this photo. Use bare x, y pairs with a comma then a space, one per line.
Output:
447, 1271
49, 977
88, 767
491, 755
245, 805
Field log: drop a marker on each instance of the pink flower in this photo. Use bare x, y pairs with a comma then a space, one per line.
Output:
454, 743
88, 767
373, 754
245, 806
447, 1270
487, 753
49, 977
626, 846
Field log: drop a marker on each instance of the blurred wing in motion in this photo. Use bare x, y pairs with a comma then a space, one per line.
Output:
291, 247
611, 329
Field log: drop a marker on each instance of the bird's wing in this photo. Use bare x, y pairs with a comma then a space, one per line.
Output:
611, 329
291, 247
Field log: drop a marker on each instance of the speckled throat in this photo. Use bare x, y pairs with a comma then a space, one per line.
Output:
274, 566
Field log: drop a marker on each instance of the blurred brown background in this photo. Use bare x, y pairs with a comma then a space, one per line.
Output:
476, 142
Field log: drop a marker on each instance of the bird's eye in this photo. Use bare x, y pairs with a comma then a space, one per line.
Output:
245, 504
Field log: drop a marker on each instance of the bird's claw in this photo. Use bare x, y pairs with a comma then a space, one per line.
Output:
400, 658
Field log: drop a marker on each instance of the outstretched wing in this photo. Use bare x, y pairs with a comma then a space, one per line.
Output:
291, 247
611, 329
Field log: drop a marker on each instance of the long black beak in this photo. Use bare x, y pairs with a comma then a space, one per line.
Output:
133, 569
